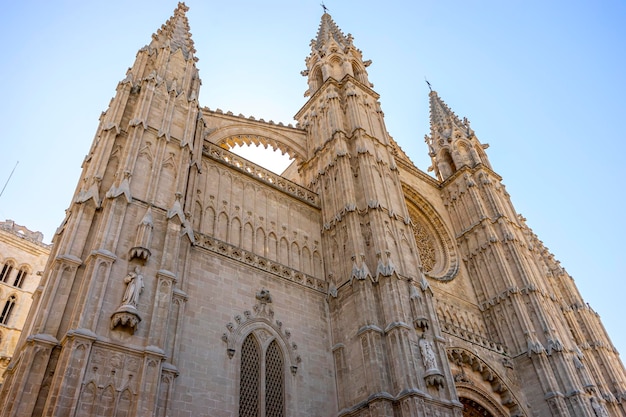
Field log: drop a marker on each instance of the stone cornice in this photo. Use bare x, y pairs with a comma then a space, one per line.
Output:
472, 338
259, 262
413, 170
330, 80
25, 243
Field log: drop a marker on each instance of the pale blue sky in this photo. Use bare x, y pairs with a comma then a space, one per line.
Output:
541, 81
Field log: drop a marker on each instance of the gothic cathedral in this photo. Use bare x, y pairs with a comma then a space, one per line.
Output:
187, 281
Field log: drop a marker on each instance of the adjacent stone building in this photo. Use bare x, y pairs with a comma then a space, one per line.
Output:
23, 256
187, 281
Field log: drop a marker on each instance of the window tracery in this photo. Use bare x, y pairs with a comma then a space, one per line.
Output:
425, 246
20, 277
262, 378
7, 310
7, 268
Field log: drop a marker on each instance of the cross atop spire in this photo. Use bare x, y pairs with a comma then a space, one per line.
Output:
175, 33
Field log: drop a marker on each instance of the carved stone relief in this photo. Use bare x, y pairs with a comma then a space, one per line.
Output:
110, 383
261, 322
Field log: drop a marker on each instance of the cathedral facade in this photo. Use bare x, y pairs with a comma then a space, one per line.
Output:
188, 281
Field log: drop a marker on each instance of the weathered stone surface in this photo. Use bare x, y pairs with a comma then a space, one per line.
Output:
187, 281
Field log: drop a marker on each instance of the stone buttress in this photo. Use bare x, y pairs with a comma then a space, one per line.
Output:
528, 301
115, 266
388, 351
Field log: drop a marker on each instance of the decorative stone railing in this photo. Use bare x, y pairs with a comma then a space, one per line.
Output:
243, 165
260, 262
472, 337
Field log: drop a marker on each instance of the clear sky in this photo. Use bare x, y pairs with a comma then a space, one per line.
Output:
543, 82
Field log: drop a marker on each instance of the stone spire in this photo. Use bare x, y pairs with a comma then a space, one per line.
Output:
175, 33
333, 55
452, 143
441, 116
329, 30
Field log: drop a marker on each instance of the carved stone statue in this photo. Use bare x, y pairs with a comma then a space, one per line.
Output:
134, 287
598, 408
428, 356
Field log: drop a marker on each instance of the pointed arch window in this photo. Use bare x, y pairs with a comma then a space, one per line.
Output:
20, 277
262, 380
7, 310
7, 268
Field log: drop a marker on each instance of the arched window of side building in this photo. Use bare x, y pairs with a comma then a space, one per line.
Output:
7, 310
7, 268
20, 277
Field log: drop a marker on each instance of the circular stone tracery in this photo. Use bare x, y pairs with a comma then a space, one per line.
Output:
425, 246
436, 249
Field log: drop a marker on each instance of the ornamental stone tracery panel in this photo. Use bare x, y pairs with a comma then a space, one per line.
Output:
283, 227
435, 246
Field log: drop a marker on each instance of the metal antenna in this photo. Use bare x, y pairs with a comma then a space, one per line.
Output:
8, 179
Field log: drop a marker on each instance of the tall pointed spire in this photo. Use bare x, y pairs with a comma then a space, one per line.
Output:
329, 30
441, 116
452, 143
333, 55
175, 33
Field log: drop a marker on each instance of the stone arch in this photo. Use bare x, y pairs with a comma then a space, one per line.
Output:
317, 78
445, 163
112, 169
197, 215
7, 308
477, 404
87, 400
144, 162
266, 330
106, 402
446, 260
124, 403
335, 67
259, 246
245, 132
482, 155
295, 256
221, 229
209, 221
248, 235
6, 269
306, 261
481, 386
318, 267
272, 246
359, 72
465, 153
283, 251
261, 323
235, 231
